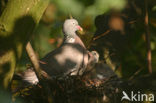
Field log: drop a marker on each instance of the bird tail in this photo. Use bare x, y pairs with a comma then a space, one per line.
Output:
28, 77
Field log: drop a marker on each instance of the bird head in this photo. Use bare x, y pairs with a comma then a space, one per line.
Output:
70, 26
95, 56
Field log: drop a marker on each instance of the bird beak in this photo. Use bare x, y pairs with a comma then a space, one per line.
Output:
79, 28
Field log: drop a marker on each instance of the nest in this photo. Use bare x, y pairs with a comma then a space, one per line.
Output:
71, 89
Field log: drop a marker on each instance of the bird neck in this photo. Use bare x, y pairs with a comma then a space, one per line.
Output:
79, 41
69, 39
73, 39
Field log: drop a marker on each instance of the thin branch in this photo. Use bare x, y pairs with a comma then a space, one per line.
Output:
39, 72
147, 34
103, 34
97, 37
135, 74
33, 59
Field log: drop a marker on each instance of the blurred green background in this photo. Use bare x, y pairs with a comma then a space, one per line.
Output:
123, 48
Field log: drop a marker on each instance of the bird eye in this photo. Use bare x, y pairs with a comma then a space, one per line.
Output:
94, 53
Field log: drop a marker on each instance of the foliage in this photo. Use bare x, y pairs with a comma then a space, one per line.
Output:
118, 26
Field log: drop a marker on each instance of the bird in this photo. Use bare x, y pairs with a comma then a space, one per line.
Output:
102, 80
101, 71
71, 58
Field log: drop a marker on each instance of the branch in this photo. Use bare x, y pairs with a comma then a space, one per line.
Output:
41, 75
147, 34
35, 61
103, 34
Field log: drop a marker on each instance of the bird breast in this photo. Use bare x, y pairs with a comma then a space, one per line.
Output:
65, 59
72, 55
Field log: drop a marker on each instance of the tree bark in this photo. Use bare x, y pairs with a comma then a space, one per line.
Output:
17, 23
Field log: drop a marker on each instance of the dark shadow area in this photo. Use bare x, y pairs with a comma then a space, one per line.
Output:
121, 38
4, 71
126, 46
20, 35
12, 44
2, 5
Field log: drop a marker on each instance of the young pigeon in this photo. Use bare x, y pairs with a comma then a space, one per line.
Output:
71, 58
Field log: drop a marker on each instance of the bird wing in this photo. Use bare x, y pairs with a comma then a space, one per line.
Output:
65, 59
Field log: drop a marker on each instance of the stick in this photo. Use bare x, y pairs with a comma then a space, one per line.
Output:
147, 35
103, 34
33, 59
135, 74
40, 74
